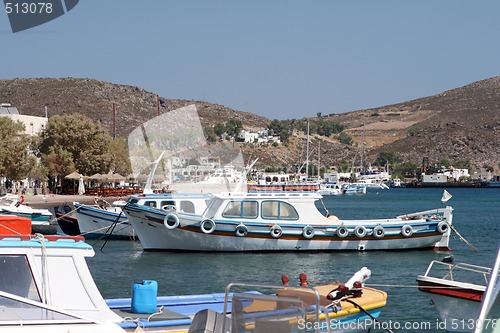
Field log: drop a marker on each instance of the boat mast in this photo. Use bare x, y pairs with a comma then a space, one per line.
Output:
307, 152
362, 148
319, 158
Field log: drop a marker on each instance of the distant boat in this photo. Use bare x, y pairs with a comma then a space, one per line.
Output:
329, 188
353, 188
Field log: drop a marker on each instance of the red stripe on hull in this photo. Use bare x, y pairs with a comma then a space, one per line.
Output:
446, 290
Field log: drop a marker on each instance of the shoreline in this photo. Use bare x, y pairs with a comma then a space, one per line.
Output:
51, 200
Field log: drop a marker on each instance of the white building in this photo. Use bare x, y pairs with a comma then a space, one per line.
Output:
33, 125
456, 174
247, 136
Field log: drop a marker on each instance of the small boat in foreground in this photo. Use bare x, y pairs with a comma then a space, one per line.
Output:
50, 272
457, 291
284, 221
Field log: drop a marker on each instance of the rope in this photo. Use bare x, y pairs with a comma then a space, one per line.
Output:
6, 227
139, 323
324, 207
55, 220
45, 273
158, 312
99, 229
462, 238
112, 227
366, 312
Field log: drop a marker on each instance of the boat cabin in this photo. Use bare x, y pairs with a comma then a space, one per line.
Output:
187, 203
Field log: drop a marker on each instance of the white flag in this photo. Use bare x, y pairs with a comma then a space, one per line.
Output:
446, 196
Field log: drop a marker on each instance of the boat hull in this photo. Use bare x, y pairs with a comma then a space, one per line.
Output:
67, 223
96, 223
189, 235
458, 307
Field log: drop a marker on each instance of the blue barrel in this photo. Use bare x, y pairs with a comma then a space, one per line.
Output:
144, 295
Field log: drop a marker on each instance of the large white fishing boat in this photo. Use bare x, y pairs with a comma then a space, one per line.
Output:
285, 222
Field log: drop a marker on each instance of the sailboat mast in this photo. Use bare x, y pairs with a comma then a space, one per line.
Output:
319, 158
362, 148
307, 152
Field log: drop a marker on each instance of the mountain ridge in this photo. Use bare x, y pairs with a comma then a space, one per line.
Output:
457, 124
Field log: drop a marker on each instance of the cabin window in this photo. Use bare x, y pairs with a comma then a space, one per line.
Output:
278, 210
16, 277
150, 204
245, 209
187, 207
167, 204
80, 298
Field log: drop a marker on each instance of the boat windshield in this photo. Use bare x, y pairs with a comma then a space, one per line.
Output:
23, 312
16, 277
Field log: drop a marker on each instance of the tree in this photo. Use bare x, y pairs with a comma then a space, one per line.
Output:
14, 146
405, 170
219, 129
233, 126
120, 160
210, 134
87, 143
386, 157
59, 163
462, 164
344, 138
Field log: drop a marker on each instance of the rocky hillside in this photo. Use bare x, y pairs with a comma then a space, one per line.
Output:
458, 124
462, 123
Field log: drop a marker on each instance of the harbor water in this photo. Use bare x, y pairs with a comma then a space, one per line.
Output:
476, 218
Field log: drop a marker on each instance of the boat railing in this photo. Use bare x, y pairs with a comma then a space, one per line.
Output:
432, 213
460, 272
274, 309
282, 194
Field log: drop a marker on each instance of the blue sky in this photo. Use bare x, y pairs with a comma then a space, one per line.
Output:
277, 58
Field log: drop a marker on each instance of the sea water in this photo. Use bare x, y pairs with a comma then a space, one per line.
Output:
476, 218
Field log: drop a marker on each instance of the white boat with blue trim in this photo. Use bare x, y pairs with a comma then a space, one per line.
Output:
105, 219
284, 222
101, 220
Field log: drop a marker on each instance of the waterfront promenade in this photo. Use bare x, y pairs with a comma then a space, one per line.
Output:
51, 200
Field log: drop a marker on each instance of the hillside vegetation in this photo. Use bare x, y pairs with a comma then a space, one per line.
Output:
458, 124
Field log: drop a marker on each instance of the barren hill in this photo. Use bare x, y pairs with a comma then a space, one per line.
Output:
462, 123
